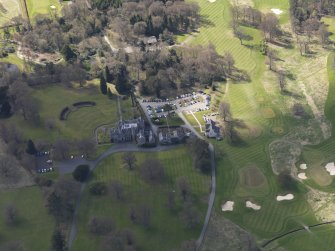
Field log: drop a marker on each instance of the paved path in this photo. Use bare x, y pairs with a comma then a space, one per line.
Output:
114, 50
211, 200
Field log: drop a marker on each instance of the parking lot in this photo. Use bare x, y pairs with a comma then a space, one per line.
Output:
190, 102
43, 162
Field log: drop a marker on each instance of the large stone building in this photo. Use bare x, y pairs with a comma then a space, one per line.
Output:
132, 130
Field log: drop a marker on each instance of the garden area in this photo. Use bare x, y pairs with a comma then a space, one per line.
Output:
80, 122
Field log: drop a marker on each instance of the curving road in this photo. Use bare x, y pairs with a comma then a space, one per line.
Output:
68, 166
213, 183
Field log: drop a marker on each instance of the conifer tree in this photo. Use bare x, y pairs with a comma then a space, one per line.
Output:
103, 85
31, 149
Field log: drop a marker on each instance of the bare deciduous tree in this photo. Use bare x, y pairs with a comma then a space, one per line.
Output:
152, 171
11, 214
117, 189
129, 159
224, 111
184, 187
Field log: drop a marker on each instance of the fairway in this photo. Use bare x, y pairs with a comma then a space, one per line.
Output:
167, 230
261, 106
42, 7
8, 10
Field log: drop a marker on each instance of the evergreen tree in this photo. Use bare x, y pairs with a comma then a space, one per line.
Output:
108, 75
121, 79
68, 53
109, 93
103, 85
31, 149
150, 27
58, 241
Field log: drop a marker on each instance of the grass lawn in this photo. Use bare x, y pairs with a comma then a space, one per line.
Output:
167, 231
35, 226
319, 238
79, 124
13, 59
42, 7
11, 8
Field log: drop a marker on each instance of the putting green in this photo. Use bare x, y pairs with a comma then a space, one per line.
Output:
320, 175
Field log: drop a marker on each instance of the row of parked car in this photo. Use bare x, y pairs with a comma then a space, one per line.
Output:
156, 100
45, 170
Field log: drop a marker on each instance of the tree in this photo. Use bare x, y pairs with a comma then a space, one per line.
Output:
81, 173
11, 215
171, 201
98, 188
281, 80
58, 241
12, 246
323, 34
31, 149
9, 172
87, 147
68, 53
103, 85
270, 26
242, 35
100, 225
109, 93
272, 56
123, 240
190, 215
204, 164
129, 159
287, 182
152, 171
189, 245
117, 189
184, 187
62, 198
61, 149
224, 111
229, 62
108, 75
145, 215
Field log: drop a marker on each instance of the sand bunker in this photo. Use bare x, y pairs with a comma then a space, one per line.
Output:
212, 1
302, 176
254, 206
330, 167
285, 197
228, 206
303, 166
53, 7
277, 11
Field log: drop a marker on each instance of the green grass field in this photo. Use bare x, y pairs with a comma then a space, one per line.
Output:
42, 7
268, 116
167, 230
80, 123
35, 226
8, 10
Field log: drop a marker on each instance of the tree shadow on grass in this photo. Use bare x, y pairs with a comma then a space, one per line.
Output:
204, 21
292, 94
